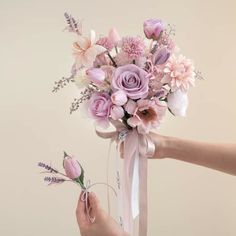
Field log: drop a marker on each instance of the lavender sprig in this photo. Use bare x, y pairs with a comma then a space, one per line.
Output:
48, 168
54, 180
73, 25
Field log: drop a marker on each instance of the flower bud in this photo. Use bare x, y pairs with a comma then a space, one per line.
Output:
161, 56
113, 36
116, 112
119, 98
73, 169
130, 107
96, 75
153, 28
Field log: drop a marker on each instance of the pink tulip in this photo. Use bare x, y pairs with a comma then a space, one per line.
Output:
116, 112
72, 168
96, 75
113, 36
153, 28
119, 98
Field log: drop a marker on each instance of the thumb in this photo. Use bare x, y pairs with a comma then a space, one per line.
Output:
94, 202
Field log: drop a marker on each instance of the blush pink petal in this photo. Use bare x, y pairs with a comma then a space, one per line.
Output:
130, 107
72, 168
119, 98
117, 112
133, 121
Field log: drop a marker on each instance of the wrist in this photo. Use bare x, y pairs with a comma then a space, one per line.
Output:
163, 144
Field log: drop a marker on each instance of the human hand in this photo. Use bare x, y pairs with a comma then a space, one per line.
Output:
103, 225
160, 143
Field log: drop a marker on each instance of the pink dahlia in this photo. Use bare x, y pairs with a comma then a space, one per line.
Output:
134, 47
146, 114
179, 73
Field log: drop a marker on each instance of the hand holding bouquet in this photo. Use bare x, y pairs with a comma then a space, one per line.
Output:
130, 82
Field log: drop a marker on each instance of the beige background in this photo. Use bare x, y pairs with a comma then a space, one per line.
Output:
184, 200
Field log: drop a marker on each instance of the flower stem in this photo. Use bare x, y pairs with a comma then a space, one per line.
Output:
114, 63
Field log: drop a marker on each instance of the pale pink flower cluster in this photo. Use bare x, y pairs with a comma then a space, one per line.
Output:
133, 47
132, 81
146, 114
179, 73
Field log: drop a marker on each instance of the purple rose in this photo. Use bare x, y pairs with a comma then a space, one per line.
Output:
153, 28
99, 108
132, 80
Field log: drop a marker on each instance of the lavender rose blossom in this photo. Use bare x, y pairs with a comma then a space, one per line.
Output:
99, 108
132, 80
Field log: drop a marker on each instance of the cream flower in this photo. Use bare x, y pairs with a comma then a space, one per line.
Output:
81, 79
178, 102
85, 50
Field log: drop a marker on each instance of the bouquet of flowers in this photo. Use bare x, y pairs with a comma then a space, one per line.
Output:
130, 82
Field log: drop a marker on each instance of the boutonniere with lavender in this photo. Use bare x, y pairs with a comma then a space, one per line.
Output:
129, 82
73, 172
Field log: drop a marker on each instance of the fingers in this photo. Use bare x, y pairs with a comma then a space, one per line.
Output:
94, 203
81, 212
94, 209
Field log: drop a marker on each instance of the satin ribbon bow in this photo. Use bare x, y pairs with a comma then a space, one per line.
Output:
133, 186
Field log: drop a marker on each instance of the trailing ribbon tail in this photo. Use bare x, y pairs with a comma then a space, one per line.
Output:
137, 148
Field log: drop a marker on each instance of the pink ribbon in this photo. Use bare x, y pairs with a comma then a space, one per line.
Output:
85, 198
137, 148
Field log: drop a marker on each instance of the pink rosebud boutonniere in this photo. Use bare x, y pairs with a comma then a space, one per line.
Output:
73, 169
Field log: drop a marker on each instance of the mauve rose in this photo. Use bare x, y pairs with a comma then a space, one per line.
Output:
119, 98
153, 28
132, 80
99, 108
116, 112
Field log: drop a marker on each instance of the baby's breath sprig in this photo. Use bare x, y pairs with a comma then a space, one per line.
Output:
198, 75
170, 30
85, 95
73, 25
62, 83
